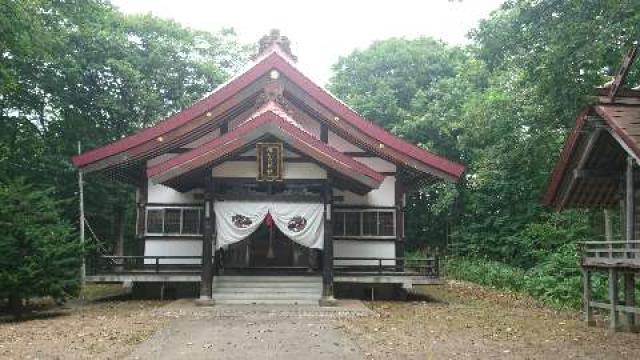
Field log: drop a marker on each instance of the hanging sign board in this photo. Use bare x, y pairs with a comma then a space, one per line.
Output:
270, 161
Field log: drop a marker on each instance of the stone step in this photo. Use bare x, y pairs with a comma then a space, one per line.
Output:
265, 302
269, 285
266, 296
269, 278
268, 290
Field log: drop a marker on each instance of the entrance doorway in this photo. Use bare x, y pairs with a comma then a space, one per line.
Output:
268, 249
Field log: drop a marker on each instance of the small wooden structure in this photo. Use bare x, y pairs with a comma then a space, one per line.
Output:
598, 168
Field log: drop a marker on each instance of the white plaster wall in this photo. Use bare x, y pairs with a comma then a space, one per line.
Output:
165, 195
177, 247
249, 169
383, 196
364, 248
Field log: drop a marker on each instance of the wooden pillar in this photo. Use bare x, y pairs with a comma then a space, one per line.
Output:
206, 280
630, 224
587, 296
629, 208
629, 300
400, 239
613, 298
608, 226
141, 219
327, 250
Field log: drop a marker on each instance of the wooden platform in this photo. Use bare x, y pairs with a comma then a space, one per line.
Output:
615, 258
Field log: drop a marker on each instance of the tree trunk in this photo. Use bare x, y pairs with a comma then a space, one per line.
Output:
16, 306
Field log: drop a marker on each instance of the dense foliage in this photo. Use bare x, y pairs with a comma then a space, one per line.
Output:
39, 251
502, 106
81, 71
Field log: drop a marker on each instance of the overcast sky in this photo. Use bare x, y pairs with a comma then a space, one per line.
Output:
322, 31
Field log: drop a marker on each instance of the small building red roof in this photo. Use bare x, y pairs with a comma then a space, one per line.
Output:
622, 123
273, 120
274, 59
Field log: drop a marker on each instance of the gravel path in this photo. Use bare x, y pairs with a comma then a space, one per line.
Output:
252, 332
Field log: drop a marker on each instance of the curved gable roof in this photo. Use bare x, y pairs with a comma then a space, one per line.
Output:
272, 120
274, 59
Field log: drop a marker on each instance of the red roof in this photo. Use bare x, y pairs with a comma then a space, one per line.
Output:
272, 60
623, 120
273, 120
565, 156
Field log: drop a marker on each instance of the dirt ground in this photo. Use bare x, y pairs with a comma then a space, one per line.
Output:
464, 321
458, 321
82, 329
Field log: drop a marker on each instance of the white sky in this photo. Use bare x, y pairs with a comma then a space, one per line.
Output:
322, 31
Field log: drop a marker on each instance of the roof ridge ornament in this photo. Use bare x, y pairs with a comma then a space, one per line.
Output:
275, 40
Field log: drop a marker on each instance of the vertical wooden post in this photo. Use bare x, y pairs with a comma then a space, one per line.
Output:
629, 299
586, 299
141, 218
327, 249
629, 208
608, 226
206, 280
613, 298
399, 220
630, 223
83, 267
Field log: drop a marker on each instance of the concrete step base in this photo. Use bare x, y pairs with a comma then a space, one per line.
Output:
267, 289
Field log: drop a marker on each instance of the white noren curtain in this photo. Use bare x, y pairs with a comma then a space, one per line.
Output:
303, 223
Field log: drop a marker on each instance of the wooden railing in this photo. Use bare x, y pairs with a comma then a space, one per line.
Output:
387, 266
102, 265
609, 253
143, 264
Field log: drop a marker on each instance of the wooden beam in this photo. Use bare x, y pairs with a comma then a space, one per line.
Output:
622, 72
582, 160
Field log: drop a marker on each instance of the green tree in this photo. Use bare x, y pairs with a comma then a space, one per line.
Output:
81, 71
39, 252
503, 108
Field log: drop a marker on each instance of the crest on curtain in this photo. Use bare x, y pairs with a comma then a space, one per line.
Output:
241, 221
302, 223
297, 224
